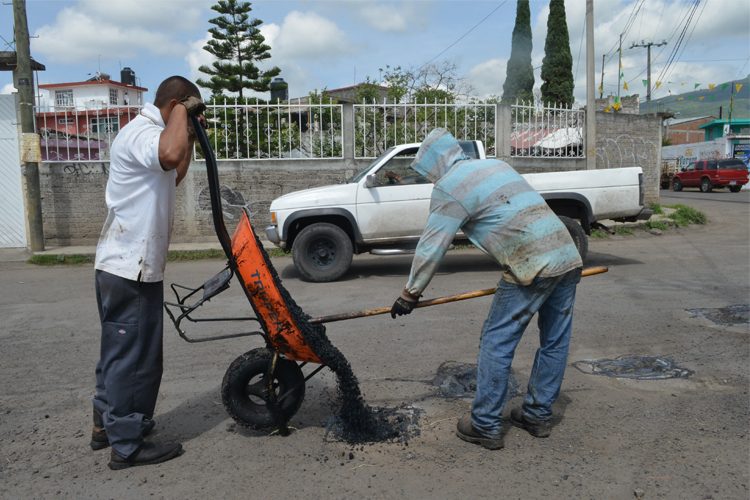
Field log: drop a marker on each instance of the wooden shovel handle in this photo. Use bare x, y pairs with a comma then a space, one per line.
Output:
589, 271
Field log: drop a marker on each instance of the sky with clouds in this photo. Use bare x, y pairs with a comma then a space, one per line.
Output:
335, 43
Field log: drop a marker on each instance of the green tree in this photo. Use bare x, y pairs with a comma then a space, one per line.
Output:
519, 75
557, 66
237, 45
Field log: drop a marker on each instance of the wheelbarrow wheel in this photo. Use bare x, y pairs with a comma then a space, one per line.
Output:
245, 394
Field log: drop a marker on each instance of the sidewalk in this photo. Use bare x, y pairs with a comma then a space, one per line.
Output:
22, 254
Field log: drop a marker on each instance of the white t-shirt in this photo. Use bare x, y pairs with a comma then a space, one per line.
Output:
140, 202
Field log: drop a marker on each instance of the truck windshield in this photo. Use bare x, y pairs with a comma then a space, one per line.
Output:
358, 176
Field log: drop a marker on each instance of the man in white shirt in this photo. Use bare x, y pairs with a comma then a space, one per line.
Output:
148, 159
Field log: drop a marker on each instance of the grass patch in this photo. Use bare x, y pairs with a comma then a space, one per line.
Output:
599, 234
59, 259
656, 208
623, 230
657, 224
684, 215
188, 255
172, 256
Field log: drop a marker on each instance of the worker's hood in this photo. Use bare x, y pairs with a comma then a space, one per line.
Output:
437, 154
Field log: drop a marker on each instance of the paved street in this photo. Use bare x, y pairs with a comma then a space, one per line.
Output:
616, 438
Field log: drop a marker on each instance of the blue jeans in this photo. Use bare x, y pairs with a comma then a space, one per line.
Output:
512, 309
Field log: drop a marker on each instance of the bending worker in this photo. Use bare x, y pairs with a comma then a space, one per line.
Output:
149, 158
504, 216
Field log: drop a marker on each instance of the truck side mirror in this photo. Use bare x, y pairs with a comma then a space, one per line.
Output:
371, 181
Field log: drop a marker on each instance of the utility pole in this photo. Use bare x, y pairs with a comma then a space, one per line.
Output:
30, 150
619, 67
648, 46
601, 82
590, 90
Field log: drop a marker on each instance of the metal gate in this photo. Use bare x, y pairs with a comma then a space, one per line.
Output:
12, 224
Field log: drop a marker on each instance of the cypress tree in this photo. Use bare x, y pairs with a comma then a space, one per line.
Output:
557, 66
237, 45
519, 75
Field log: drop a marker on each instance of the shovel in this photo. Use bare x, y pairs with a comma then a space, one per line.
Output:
589, 271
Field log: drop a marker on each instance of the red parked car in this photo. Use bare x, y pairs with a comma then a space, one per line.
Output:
709, 174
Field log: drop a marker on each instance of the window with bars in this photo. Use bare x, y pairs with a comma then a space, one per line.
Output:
104, 125
113, 97
64, 98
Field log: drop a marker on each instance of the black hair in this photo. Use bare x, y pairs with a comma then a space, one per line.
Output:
174, 87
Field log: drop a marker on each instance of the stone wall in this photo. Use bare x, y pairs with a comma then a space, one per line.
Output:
624, 140
73, 193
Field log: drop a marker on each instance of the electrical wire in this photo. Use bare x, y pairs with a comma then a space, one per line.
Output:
465, 34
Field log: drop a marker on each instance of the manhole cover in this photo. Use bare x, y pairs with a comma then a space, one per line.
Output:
735, 315
459, 380
635, 367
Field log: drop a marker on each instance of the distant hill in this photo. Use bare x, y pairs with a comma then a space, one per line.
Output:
703, 102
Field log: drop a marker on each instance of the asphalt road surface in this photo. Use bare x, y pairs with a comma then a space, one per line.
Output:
614, 438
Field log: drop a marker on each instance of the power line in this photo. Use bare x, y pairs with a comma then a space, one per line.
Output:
465, 34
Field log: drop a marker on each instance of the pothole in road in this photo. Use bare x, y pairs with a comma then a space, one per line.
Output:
634, 367
734, 315
459, 380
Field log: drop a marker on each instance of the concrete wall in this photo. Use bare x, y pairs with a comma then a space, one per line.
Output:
73, 193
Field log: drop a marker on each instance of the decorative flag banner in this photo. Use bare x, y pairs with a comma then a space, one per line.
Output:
711, 86
737, 87
625, 85
680, 98
658, 84
696, 85
724, 86
701, 98
645, 83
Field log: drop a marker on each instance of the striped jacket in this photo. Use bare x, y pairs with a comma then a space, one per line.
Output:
496, 209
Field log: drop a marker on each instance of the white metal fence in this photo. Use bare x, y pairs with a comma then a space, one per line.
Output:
276, 131
380, 126
315, 130
236, 131
552, 131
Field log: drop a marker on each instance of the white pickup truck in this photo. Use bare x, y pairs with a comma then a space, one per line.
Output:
383, 209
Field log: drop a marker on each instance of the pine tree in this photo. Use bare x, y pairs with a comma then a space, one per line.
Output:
557, 65
519, 77
237, 45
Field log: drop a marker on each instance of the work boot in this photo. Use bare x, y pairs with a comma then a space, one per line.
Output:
147, 454
466, 431
99, 439
537, 428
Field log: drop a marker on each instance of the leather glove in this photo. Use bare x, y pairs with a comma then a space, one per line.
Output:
403, 305
194, 105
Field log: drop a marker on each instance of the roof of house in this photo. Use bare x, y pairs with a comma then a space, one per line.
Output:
735, 121
90, 82
677, 121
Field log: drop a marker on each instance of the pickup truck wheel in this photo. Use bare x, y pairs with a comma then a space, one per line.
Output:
578, 235
735, 189
676, 184
322, 252
705, 185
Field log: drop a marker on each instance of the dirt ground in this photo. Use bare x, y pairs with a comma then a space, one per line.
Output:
615, 438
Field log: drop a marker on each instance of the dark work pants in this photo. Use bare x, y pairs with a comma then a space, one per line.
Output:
129, 371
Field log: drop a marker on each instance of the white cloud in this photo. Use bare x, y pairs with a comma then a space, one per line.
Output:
487, 77
182, 15
8, 88
307, 35
389, 18
115, 29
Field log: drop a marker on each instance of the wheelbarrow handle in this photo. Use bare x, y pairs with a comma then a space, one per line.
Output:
589, 271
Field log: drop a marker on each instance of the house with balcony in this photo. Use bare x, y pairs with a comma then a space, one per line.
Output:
78, 120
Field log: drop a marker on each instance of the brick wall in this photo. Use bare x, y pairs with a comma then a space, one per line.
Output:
73, 193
